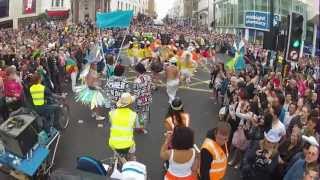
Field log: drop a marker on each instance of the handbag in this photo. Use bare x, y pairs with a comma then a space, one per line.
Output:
239, 139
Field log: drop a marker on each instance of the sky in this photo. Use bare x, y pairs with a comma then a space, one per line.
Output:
162, 7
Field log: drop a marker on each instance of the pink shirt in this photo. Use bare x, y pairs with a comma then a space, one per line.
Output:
12, 88
301, 87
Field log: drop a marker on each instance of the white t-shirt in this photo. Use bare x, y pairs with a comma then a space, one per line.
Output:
279, 128
287, 119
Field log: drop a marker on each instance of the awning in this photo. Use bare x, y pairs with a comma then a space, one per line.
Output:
58, 13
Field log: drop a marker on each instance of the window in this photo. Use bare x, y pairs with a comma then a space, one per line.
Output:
57, 3
4, 8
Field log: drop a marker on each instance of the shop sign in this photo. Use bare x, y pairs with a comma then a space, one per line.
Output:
259, 20
29, 6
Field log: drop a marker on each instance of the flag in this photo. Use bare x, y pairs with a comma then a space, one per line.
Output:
115, 19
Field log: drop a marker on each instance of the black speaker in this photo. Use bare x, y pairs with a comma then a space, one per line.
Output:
269, 41
19, 134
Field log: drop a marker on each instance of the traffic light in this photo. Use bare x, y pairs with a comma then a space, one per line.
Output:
295, 36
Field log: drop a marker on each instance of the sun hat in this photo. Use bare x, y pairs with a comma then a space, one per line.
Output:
311, 140
173, 60
133, 170
272, 136
223, 111
125, 100
176, 104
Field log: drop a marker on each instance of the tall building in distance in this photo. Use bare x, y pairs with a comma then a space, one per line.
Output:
152, 8
184, 10
83, 8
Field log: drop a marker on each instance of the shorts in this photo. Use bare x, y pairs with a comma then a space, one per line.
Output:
130, 150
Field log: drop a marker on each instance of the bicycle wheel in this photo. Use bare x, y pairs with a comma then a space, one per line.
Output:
64, 117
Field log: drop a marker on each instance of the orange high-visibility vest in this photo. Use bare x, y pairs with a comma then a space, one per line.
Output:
219, 162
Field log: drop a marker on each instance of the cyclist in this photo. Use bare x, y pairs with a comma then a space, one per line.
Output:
41, 96
122, 122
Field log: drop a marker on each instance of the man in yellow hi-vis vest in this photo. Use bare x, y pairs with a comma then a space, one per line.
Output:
122, 122
39, 94
214, 153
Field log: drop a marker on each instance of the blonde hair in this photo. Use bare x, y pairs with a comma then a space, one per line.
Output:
274, 150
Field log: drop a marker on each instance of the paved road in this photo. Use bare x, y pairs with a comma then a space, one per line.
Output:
88, 139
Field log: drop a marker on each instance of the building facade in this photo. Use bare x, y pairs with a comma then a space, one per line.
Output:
234, 15
151, 8
184, 11
250, 18
13, 12
88, 8
57, 9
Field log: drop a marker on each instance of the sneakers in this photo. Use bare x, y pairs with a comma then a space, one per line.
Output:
93, 114
141, 130
144, 131
100, 118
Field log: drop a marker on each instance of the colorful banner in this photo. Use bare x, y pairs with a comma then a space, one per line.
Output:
115, 19
29, 6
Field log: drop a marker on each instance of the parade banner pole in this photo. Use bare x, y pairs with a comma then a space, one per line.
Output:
125, 35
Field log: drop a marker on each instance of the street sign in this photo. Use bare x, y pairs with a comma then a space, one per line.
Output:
294, 55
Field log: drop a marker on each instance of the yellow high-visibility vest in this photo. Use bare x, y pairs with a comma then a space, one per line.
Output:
121, 131
280, 59
219, 162
37, 94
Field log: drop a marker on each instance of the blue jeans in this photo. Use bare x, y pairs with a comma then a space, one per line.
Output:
51, 114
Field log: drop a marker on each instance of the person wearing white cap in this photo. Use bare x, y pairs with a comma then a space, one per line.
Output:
172, 76
260, 161
122, 122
